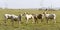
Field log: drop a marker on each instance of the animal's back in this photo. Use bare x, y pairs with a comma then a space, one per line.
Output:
40, 16
8, 15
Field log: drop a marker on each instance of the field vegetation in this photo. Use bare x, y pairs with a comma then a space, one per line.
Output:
29, 26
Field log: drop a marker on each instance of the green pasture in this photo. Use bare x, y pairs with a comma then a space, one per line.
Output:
29, 26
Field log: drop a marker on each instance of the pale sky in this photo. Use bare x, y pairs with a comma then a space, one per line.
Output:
30, 3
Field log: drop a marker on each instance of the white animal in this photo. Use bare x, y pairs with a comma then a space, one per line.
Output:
28, 16
50, 16
12, 17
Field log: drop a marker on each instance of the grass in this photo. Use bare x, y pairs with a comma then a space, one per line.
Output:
29, 26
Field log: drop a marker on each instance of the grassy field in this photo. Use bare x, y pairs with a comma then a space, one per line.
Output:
29, 26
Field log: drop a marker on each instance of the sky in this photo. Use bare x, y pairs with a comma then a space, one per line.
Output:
30, 3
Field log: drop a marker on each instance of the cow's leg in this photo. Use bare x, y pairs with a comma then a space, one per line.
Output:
33, 21
54, 21
5, 21
20, 20
47, 20
12, 20
41, 20
27, 20
18, 23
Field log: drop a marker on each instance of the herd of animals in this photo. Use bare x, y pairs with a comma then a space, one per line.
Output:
27, 16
